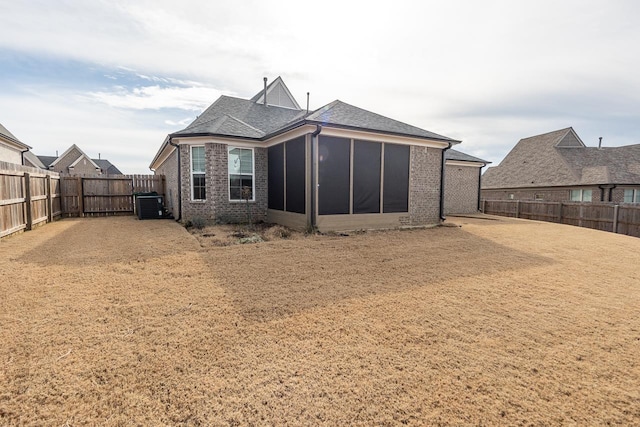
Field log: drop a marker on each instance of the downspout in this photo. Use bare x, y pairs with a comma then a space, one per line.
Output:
179, 181
314, 184
479, 186
22, 155
442, 217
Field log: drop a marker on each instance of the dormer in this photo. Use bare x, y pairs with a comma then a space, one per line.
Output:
278, 95
570, 140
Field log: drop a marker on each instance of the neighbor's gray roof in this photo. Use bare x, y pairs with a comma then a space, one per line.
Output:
107, 167
452, 154
11, 137
47, 160
342, 114
244, 118
559, 158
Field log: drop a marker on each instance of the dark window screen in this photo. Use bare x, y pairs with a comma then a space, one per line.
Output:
366, 177
333, 175
296, 175
276, 177
396, 178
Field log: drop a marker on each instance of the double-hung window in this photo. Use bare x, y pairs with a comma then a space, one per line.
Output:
581, 195
632, 195
198, 179
241, 174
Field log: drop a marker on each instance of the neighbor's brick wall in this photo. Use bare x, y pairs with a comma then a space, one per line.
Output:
169, 168
424, 185
562, 194
618, 193
460, 189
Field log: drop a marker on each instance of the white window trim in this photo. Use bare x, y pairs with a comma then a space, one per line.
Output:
253, 175
192, 173
635, 195
581, 190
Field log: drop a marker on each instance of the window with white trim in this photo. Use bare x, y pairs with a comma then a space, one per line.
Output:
581, 195
631, 195
241, 174
198, 176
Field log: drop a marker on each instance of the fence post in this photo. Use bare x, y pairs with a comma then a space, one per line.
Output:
49, 199
27, 200
518, 209
80, 197
560, 213
615, 218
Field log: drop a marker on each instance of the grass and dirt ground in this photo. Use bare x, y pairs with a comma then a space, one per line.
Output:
115, 321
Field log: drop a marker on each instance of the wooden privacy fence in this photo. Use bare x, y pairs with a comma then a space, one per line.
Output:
106, 194
31, 196
616, 218
28, 197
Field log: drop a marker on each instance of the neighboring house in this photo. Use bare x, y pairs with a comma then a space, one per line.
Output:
11, 148
462, 182
557, 166
75, 162
336, 168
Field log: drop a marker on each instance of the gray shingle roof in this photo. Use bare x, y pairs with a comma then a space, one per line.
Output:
237, 117
452, 154
559, 158
230, 116
47, 160
107, 167
345, 115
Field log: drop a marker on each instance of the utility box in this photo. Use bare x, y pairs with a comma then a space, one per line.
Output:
149, 207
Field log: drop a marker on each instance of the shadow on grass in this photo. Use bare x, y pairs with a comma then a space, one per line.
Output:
277, 279
106, 240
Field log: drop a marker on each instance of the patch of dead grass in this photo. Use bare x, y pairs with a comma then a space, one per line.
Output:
114, 321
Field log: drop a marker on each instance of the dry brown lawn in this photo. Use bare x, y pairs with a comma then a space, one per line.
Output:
114, 321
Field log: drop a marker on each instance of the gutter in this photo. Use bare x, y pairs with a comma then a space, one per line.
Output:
444, 150
314, 184
179, 180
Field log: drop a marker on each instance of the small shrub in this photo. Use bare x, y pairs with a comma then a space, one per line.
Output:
198, 222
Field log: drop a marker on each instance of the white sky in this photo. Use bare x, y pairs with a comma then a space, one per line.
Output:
115, 77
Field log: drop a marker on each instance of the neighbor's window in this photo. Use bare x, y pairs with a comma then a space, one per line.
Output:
632, 196
241, 172
511, 196
538, 197
580, 195
198, 188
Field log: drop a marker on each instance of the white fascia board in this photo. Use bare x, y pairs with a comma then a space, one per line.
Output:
463, 163
382, 137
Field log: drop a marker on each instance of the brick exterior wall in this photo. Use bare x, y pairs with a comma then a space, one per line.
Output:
170, 171
460, 189
424, 186
560, 194
217, 206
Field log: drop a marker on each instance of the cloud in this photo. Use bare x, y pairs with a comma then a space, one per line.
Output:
156, 97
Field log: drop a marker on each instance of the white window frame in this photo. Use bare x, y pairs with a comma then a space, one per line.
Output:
203, 172
635, 195
253, 174
581, 192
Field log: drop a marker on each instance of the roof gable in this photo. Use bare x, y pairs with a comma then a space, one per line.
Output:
76, 154
278, 95
533, 162
83, 156
560, 158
